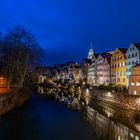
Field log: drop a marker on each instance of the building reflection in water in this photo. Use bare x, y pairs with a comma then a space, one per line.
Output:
103, 125
106, 128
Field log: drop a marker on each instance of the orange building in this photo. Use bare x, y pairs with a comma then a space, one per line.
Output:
134, 80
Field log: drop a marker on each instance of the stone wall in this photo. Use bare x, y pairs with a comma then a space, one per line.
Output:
121, 100
14, 99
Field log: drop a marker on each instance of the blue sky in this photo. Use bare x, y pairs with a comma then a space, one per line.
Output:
65, 28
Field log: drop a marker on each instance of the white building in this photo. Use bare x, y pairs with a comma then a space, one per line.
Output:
99, 70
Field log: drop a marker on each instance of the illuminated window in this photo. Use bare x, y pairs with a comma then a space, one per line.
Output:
119, 138
135, 92
137, 138
131, 135
132, 83
138, 83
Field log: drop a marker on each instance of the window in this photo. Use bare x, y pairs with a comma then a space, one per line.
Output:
120, 64
129, 63
132, 55
118, 80
136, 61
135, 92
132, 83
126, 56
132, 62
131, 135
137, 138
136, 54
124, 73
138, 83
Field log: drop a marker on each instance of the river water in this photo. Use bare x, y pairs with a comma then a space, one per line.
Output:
46, 119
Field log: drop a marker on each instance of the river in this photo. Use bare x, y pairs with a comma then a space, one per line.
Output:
45, 119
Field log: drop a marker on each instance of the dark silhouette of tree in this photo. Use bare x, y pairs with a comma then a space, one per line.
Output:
21, 54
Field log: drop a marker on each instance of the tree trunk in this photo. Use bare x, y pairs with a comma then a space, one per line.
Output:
24, 72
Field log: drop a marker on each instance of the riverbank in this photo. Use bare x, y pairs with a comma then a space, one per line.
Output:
13, 99
117, 99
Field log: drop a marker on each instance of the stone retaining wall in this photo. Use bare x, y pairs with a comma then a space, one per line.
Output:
14, 99
121, 100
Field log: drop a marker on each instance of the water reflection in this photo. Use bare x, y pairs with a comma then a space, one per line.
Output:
108, 122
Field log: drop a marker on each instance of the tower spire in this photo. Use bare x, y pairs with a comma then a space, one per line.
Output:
91, 53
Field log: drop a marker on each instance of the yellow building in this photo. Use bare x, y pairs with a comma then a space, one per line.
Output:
118, 67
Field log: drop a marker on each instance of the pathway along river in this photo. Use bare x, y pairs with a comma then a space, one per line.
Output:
45, 119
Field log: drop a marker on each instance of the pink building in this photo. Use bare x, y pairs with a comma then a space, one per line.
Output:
103, 69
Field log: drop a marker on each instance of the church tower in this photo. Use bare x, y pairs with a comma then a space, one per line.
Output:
91, 53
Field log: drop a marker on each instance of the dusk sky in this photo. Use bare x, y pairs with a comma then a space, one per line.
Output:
65, 28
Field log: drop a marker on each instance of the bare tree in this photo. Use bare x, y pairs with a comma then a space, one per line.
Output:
21, 55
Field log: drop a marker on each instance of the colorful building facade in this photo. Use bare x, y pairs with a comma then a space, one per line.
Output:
107, 69
103, 69
118, 67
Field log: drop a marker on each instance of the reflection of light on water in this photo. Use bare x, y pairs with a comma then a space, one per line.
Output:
87, 97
